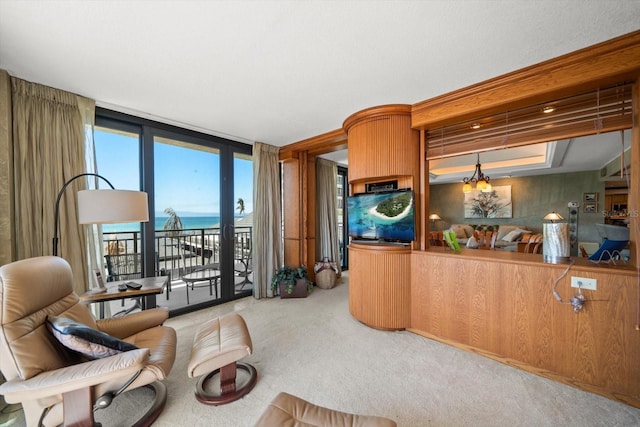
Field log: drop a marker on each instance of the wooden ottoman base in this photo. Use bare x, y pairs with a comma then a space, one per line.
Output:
228, 391
217, 347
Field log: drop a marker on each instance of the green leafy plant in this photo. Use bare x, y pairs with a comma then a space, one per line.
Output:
289, 275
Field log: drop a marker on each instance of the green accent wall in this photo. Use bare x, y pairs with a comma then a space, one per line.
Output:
532, 198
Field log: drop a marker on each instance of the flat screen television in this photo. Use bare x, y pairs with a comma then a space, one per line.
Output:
382, 217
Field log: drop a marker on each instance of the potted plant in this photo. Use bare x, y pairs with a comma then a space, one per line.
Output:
291, 282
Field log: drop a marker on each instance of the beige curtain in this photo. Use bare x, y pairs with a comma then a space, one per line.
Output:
49, 139
326, 211
267, 223
95, 250
7, 232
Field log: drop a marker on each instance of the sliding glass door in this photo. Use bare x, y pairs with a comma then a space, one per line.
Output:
243, 222
201, 209
187, 211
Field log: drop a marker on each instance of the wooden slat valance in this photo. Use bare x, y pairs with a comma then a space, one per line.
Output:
599, 111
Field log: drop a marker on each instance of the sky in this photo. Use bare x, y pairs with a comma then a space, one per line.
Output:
186, 180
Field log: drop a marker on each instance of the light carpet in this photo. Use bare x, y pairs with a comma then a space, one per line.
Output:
315, 349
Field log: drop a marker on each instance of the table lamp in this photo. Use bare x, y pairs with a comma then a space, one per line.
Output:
433, 218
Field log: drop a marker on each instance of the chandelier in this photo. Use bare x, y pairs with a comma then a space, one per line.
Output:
482, 181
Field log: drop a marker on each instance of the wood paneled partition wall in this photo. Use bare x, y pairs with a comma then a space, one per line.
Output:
494, 303
503, 307
382, 147
299, 195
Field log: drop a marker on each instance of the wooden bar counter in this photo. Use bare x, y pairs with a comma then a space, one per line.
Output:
501, 305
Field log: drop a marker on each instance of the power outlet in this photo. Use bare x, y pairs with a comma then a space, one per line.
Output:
584, 283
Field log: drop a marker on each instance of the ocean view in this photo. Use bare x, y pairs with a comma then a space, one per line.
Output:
187, 222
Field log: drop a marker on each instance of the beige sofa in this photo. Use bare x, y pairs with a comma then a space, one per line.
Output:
507, 238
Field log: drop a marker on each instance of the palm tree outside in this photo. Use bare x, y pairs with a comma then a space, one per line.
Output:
240, 207
173, 224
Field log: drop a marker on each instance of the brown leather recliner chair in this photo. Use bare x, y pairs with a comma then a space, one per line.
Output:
54, 384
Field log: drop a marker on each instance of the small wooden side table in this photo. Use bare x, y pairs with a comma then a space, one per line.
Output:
151, 286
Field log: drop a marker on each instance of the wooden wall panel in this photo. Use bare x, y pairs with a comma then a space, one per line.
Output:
292, 212
379, 285
291, 250
634, 188
381, 143
507, 311
310, 226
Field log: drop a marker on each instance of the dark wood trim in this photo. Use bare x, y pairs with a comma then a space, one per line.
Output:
329, 142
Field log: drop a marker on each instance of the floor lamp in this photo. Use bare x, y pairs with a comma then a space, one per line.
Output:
104, 206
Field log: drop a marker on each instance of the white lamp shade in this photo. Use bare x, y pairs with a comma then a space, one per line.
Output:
553, 216
434, 217
112, 206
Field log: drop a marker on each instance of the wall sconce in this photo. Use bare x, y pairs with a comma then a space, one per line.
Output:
104, 206
556, 247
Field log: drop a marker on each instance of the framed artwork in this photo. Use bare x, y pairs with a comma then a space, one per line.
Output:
590, 197
591, 207
495, 204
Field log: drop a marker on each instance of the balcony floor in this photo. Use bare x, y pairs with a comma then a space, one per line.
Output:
176, 299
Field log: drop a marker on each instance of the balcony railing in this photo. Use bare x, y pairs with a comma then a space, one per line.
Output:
177, 252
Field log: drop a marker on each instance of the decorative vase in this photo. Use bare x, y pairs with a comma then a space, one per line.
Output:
299, 289
326, 273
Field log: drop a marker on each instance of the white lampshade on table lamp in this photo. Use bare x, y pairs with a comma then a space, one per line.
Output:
433, 218
104, 206
556, 247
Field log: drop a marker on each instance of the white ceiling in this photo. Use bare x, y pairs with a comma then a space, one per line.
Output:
282, 71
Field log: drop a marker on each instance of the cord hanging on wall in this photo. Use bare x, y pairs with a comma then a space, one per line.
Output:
577, 301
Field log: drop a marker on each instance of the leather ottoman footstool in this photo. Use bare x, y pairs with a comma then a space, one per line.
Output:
290, 410
218, 345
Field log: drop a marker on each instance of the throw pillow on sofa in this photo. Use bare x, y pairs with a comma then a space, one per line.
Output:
467, 230
504, 230
459, 230
512, 236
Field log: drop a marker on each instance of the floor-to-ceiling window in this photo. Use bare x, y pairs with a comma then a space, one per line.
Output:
201, 195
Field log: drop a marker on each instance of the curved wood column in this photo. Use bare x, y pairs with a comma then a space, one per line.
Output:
380, 285
382, 144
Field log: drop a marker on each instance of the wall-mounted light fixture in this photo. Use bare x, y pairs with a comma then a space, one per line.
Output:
482, 181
